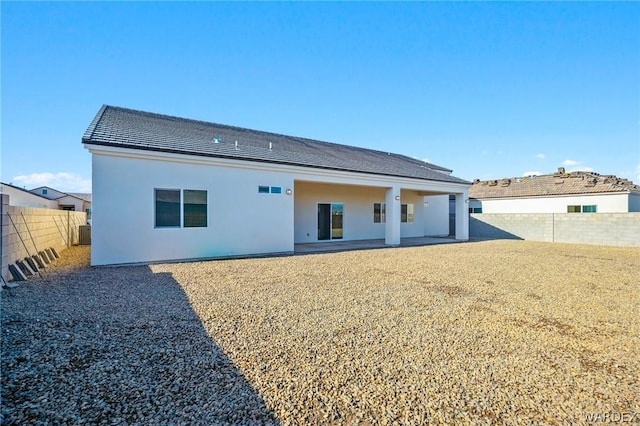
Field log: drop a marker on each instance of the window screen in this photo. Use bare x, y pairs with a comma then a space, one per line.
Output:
195, 208
167, 207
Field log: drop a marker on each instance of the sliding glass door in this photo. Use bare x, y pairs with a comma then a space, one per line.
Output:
330, 221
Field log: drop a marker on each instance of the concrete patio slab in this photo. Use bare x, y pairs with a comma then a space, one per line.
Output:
336, 246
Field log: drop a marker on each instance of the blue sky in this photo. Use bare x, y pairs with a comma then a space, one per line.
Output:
489, 90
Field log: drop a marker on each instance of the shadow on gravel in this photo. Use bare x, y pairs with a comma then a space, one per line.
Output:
116, 346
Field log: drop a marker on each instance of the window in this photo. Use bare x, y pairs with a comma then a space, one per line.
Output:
573, 209
406, 213
263, 189
170, 203
195, 208
379, 213
475, 209
167, 208
44, 192
276, 190
88, 212
589, 209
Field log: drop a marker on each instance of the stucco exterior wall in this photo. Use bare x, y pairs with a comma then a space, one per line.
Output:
358, 210
241, 221
48, 192
68, 200
606, 203
27, 199
358, 204
436, 215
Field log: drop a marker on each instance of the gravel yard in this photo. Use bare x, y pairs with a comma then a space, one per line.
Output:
507, 332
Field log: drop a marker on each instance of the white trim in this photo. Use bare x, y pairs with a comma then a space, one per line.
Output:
328, 174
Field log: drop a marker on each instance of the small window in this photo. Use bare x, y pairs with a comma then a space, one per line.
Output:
379, 212
263, 189
573, 209
195, 208
475, 209
406, 213
276, 190
167, 208
589, 209
44, 192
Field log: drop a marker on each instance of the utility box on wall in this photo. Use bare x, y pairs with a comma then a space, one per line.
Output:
85, 235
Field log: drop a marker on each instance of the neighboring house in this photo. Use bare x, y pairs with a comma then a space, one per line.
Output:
79, 202
24, 198
560, 192
169, 188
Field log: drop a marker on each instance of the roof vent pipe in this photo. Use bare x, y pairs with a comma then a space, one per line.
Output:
270, 146
236, 144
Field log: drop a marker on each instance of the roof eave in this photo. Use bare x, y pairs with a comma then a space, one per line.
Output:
259, 160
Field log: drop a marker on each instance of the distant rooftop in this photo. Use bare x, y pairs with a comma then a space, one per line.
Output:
82, 195
559, 183
126, 128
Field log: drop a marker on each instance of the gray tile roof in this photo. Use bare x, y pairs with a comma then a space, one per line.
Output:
81, 195
559, 183
126, 128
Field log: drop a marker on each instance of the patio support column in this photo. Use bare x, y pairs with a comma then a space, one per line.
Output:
462, 216
392, 222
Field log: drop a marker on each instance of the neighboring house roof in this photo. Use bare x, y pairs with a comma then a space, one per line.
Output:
81, 195
559, 183
25, 190
126, 128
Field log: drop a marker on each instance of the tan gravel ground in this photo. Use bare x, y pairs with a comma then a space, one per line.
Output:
500, 332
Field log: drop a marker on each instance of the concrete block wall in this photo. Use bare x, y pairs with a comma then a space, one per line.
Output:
615, 229
27, 230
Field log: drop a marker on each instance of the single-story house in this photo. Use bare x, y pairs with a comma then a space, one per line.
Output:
73, 201
560, 192
24, 198
169, 188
